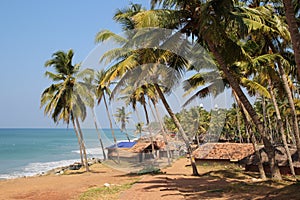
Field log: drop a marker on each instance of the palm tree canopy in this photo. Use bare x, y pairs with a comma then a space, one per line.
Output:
68, 95
122, 117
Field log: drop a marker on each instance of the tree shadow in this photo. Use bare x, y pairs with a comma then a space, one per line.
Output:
226, 184
290, 192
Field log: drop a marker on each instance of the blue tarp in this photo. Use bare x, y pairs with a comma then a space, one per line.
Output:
123, 145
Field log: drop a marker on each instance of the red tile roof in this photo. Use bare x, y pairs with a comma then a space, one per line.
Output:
223, 151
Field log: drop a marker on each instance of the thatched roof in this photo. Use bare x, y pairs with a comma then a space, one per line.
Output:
223, 151
140, 146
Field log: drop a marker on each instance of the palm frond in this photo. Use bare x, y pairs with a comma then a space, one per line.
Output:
254, 87
105, 35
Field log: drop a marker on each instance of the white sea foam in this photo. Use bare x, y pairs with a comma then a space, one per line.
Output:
92, 152
36, 168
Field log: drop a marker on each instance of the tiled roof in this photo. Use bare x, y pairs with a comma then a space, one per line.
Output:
141, 146
223, 151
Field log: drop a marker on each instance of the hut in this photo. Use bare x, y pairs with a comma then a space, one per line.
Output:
144, 149
160, 141
222, 152
123, 148
251, 161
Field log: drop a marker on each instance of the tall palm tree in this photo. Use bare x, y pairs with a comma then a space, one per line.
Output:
64, 99
290, 14
101, 92
137, 95
220, 29
139, 128
93, 92
123, 118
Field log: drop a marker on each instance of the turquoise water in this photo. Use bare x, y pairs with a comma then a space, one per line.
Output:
26, 152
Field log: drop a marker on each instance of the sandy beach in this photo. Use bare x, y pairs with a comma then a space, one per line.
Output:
175, 182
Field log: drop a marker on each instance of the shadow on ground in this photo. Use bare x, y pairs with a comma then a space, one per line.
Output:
221, 184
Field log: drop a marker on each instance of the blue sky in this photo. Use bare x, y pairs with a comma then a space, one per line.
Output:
30, 32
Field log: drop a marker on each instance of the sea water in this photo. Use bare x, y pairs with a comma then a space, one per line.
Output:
27, 152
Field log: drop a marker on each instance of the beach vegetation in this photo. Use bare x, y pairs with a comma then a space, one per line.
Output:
123, 118
64, 99
111, 191
103, 90
251, 51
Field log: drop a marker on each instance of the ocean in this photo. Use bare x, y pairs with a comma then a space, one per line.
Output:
27, 152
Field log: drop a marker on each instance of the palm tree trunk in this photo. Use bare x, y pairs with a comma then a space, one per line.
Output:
139, 120
270, 150
111, 128
180, 129
127, 136
295, 126
149, 129
280, 124
152, 111
239, 124
291, 137
86, 164
266, 122
78, 139
253, 139
99, 134
294, 31
163, 133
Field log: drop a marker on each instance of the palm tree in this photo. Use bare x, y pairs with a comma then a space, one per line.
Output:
139, 128
293, 29
64, 99
220, 30
138, 95
101, 92
123, 118
91, 104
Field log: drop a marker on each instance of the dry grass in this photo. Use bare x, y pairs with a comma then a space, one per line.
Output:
112, 192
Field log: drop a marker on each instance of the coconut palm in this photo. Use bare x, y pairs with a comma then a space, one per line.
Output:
220, 30
293, 29
139, 128
64, 99
123, 118
101, 92
93, 91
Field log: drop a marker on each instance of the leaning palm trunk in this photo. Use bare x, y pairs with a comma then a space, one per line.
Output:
294, 31
127, 136
86, 164
99, 134
78, 139
295, 126
253, 139
111, 128
281, 128
284, 78
180, 129
270, 150
163, 133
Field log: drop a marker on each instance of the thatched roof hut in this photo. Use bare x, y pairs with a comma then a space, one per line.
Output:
143, 146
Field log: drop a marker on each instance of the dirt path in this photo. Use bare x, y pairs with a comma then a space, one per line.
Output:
176, 183
220, 183
63, 187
